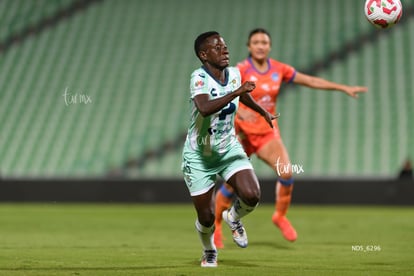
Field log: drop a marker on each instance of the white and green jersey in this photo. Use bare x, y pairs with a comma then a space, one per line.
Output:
214, 134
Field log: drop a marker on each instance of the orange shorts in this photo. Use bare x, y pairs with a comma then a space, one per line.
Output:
252, 143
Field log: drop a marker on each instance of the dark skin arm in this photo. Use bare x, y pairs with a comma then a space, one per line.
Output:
208, 107
247, 100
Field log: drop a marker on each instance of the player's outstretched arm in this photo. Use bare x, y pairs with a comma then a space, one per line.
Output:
320, 83
247, 100
207, 107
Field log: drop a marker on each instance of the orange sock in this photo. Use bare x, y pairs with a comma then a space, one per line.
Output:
283, 198
284, 190
224, 199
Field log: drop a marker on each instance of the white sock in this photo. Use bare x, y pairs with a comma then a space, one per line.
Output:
206, 236
240, 209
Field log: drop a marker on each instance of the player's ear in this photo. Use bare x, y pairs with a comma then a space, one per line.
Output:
202, 55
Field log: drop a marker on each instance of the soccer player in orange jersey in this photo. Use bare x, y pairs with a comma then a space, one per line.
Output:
254, 132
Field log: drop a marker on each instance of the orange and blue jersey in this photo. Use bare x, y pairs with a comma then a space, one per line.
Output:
265, 94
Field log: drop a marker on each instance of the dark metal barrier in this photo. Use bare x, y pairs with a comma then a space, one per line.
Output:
312, 191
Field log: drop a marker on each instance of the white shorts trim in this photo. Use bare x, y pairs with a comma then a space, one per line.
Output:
203, 191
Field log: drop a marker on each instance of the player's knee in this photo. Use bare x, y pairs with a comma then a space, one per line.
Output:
206, 218
285, 175
252, 200
286, 181
252, 196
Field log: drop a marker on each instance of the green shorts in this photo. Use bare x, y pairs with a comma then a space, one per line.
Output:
200, 171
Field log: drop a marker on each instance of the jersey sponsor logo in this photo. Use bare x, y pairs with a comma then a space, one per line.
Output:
253, 78
216, 131
212, 93
222, 93
228, 110
199, 83
275, 76
266, 102
265, 87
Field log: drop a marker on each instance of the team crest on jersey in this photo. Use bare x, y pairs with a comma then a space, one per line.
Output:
275, 76
199, 83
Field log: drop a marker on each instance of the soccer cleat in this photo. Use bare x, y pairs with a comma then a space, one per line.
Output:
218, 237
237, 229
209, 258
288, 232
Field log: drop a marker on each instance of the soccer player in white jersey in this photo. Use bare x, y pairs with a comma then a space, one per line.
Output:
212, 148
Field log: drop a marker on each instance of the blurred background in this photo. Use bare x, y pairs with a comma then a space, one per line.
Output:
97, 91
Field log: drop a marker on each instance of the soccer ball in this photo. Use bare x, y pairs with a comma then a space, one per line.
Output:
383, 13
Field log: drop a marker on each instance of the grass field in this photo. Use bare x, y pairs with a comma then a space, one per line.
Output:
65, 239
